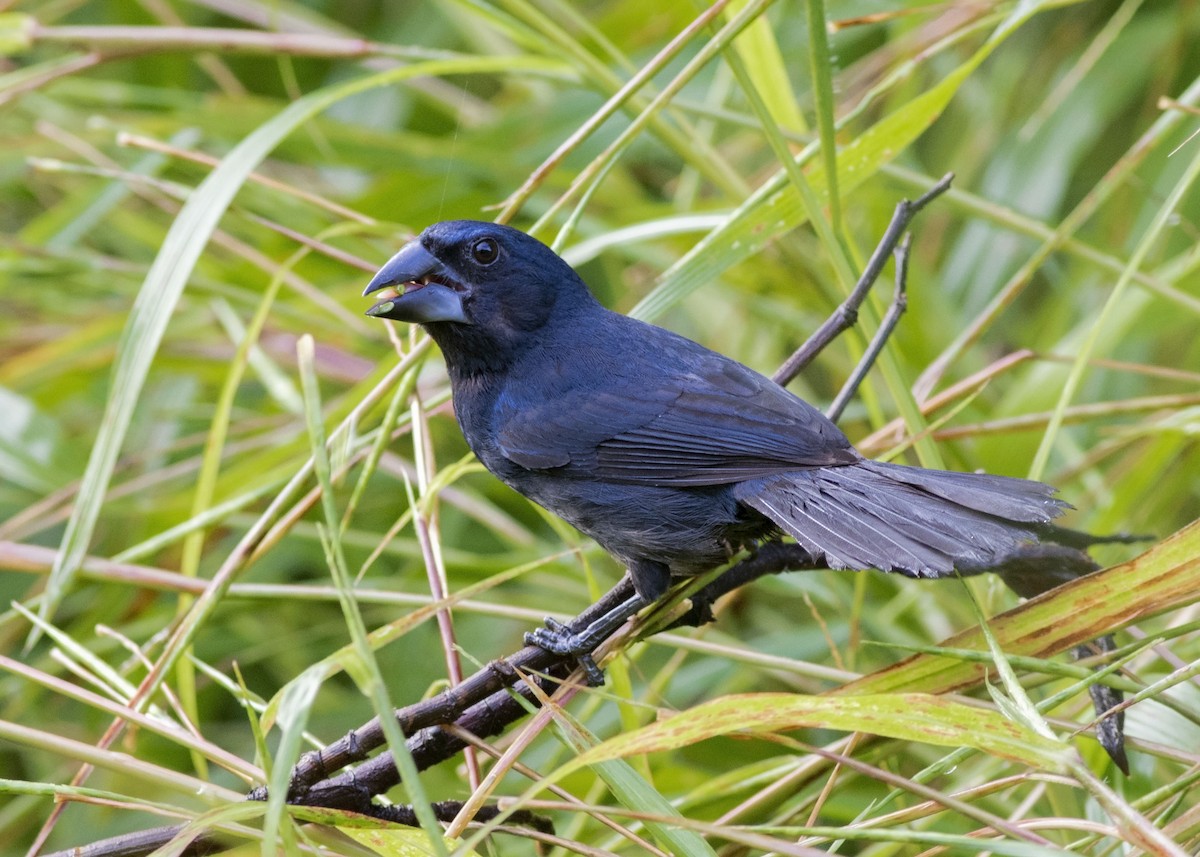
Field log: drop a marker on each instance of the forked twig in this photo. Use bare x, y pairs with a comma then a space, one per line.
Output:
890, 320
846, 315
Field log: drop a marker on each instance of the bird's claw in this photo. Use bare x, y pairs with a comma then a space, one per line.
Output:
558, 639
555, 638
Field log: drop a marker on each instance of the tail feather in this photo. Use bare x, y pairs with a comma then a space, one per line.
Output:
938, 526
1001, 496
918, 522
822, 529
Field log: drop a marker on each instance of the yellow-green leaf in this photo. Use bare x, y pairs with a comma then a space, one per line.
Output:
759, 50
400, 842
911, 717
1166, 577
776, 207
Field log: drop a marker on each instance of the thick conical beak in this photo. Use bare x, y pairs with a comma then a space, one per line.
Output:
419, 289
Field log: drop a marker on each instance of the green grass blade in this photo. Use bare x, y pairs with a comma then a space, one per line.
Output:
1148, 241
164, 284
765, 65
776, 207
1163, 578
363, 667
819, 64
911, 717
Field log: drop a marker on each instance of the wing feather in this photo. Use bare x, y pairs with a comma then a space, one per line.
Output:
705, 420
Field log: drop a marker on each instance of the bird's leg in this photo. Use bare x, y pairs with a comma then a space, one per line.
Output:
650, 582
559, 639
846, 314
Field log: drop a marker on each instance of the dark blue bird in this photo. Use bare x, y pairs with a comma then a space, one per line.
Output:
671, 456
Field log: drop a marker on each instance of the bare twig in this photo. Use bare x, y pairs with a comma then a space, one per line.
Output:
845, 316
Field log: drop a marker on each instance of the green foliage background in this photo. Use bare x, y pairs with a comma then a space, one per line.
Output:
152, 403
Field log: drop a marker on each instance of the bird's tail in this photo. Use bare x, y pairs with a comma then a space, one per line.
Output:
923, 523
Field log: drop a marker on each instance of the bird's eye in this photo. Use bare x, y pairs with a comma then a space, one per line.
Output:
485, 251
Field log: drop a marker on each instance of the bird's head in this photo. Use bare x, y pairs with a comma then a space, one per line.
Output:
480, 285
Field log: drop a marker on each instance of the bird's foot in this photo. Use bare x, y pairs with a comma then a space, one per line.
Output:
558, 639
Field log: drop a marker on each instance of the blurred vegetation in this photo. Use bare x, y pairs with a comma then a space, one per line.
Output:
152, 407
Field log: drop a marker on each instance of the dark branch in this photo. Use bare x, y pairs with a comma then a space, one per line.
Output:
890, 320
846, 315
486, 703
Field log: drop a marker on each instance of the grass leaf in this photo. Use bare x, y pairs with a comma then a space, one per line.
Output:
912, 717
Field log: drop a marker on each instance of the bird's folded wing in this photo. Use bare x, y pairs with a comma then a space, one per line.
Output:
717, 423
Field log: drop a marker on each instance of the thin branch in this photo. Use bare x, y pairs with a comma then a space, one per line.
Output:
846, 315
890, 320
